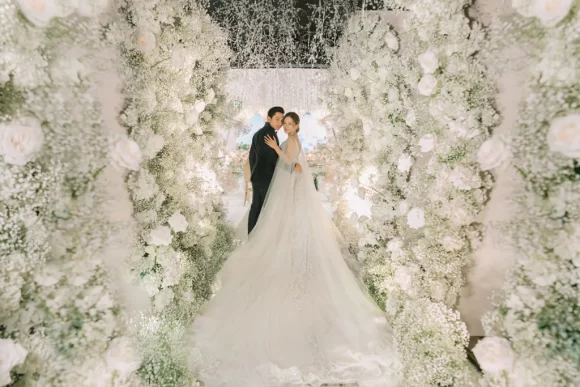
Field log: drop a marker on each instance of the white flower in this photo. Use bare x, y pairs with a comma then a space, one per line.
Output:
427, 85
154, 145
66, 69
437, 290
427, 143
402, 207
39, 12
160, 236
126, 153
163, 298
145, 40
11, 355
395, 245
451, 244
410, 118
564, 135
551, 12
404, 276
354, 74
200, 106
178, 222
392, 41
494, 355
178, 58
429, 62
348, 92
464, 179
122, 357
492, 153
523, 7
416, 218
91, 8
20, 142
458, 128
405, 163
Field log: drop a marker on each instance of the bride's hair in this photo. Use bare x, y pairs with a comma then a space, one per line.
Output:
295, 118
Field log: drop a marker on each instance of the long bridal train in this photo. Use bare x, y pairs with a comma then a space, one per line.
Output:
290, 311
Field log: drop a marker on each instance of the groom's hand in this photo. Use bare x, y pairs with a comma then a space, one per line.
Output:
298, 168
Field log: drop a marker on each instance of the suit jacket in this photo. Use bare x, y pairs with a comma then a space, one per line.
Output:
263, 159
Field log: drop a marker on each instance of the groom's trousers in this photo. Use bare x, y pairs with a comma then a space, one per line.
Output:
258, 198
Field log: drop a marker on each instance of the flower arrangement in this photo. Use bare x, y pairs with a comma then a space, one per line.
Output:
428, 125
534, 329
174, 59
60, 323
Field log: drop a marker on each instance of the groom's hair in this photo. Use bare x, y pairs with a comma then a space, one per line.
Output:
274, 110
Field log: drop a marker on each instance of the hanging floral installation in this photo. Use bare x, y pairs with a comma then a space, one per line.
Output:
534, 331
60, 322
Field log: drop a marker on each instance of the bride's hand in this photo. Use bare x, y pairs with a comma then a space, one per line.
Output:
271, 142
298, 168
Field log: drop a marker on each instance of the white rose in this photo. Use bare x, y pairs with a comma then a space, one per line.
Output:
404, 276
392, 41
395, 245
416, 218
200, 106
160, 236
564, 135
191, 117
492, 153
427, 143
427, 85
523, 7
11, 355
405, 163
39, 12
348, 92
458, 128
437, 290
126, 153
66, 69
410, 118
91, 8
163, 298
463, 178
122, 357
494, 355
178, 222
551, 12
154, 145
429, 62
178, 58
451, 244
403, 207
20, 142
354, 74
145, 40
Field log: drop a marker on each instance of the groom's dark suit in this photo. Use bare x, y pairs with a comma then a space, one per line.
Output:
263, 161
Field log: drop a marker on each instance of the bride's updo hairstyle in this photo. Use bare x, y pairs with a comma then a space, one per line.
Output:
295, 118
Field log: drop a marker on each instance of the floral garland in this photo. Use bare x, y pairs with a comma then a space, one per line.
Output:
174, 59
58, 316
414, 244
534, 332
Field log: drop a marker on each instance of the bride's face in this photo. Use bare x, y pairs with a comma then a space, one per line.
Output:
290, 126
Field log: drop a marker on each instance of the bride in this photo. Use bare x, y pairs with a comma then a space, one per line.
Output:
290, 311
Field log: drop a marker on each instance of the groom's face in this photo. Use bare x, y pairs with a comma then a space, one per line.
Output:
276, 121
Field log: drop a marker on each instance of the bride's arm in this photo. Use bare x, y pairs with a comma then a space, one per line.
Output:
287, 156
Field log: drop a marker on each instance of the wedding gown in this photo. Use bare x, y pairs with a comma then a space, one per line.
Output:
290, 312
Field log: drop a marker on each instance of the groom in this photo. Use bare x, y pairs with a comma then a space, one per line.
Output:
263, 161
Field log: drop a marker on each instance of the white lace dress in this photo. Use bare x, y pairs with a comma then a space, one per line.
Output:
290, 312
